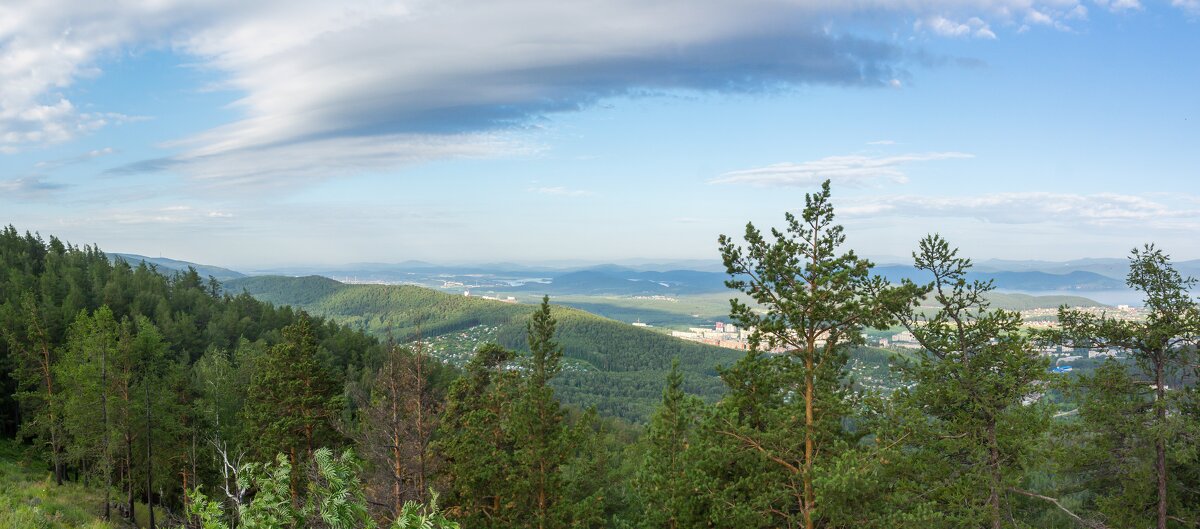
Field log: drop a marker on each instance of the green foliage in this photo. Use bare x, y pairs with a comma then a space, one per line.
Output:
667, 478
786, 416
292, 400
30, 499
1163, 347
475, 443
334, 499
610, 365
976, 388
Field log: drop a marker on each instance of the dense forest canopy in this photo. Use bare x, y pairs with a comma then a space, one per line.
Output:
615, 367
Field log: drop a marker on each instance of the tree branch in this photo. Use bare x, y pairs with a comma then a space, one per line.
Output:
1086, 523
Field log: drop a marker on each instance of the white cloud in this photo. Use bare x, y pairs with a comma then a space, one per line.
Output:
945, 27
311, 73
882, 142
28, 187
1192, 7
560, 191
1099, 209
84, 157
290, 164
854, 170
1122, 5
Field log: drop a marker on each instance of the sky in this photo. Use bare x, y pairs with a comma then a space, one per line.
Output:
307, 132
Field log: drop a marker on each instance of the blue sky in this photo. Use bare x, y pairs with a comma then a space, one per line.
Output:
270, 133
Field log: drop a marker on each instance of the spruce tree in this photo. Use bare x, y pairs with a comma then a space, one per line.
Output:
85, 374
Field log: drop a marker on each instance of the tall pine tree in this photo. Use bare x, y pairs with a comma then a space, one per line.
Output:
790, 410
292, 399
1162, 347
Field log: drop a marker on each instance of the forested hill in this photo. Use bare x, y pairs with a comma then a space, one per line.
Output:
45, 285
615, 366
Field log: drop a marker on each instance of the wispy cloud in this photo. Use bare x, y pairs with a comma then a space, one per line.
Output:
560, 191
29, 187
291, 164
50, 165
313, 73
172, 215
882, 142
853, 170
1191, 7
945, 27
1098, 209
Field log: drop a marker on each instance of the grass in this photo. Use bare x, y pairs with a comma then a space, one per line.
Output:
30, 499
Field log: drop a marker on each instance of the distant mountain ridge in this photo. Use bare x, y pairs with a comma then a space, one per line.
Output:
1029, 280
1082, 275
163, 264
682, 282
1116, 268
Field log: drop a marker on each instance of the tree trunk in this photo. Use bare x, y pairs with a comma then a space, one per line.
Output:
809, 424
104, 419
149, 458
55, 449
421, 437
129, 469
397, 461
997, 479
1160, 441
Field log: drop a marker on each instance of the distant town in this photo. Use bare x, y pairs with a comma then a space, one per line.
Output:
730, 336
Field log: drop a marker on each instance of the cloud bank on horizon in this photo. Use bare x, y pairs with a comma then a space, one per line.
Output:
339, 89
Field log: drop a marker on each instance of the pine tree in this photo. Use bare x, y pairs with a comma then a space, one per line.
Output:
537, 423
790, 409
667, 479
476, 444
1162, 346
397, 422
292, 398
85, 374
34, 371
977, 383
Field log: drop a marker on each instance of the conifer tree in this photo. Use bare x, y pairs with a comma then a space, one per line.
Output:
790, 409
976, 383
476, 444
37, 385
397, 423
85, 374
292, 398
1163, 348
537, 424
667, 479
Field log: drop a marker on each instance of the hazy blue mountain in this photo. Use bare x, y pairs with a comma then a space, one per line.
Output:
1116, 268
614, 280
1027, 280
166, 265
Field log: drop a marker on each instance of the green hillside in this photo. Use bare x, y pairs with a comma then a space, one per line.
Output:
616, 367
